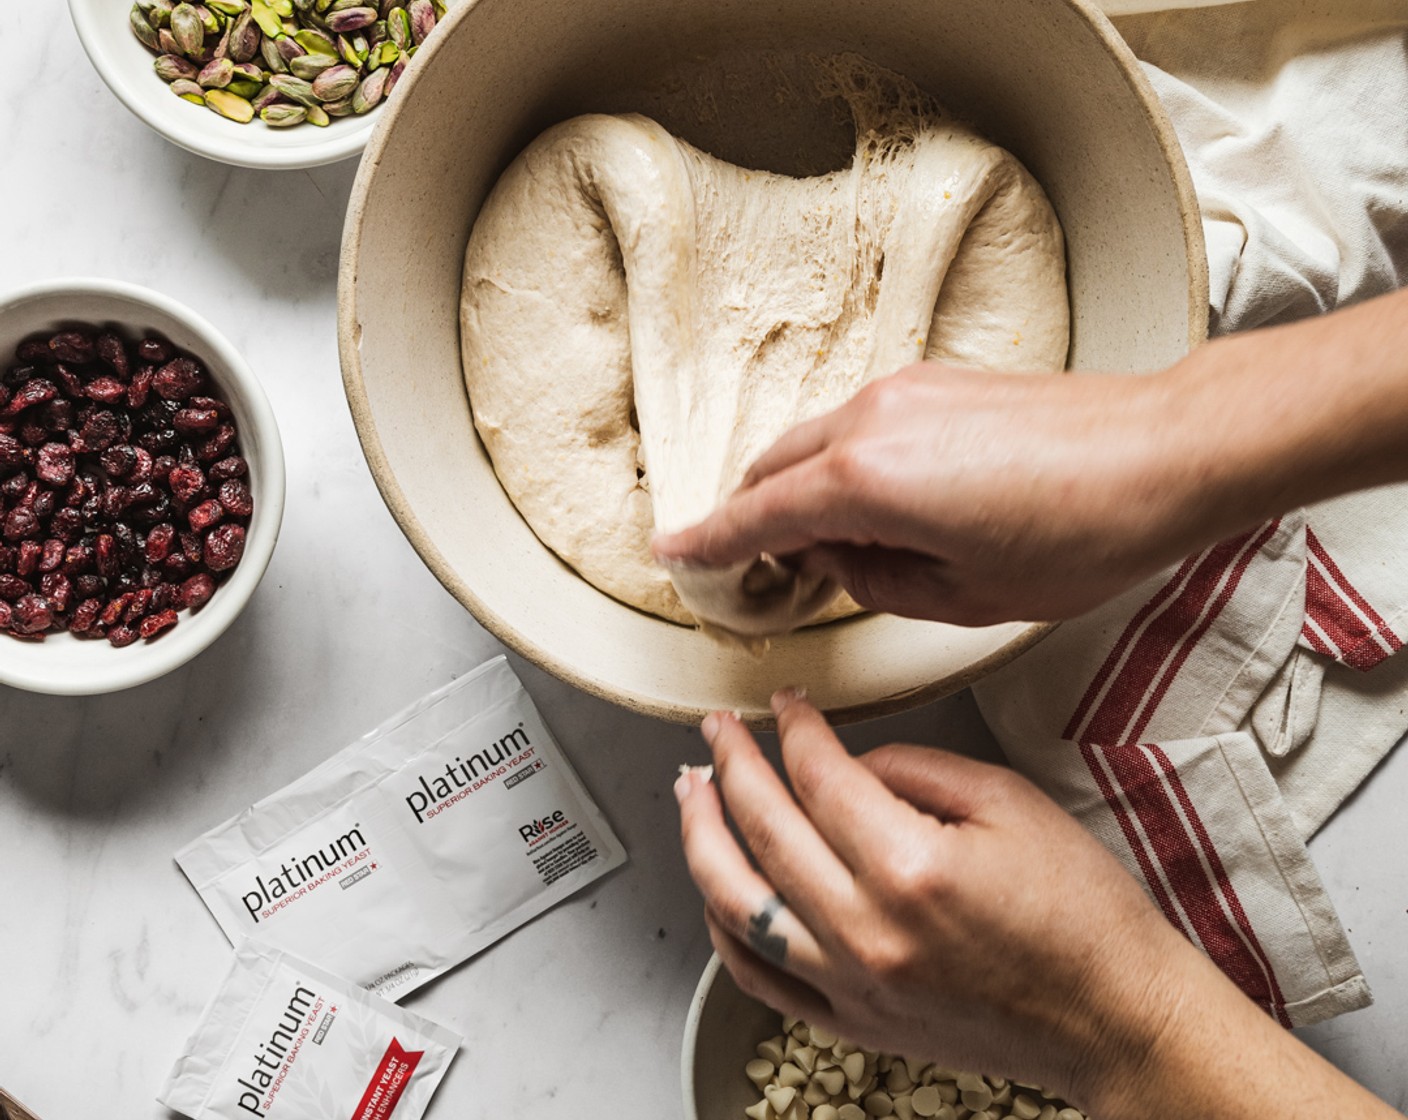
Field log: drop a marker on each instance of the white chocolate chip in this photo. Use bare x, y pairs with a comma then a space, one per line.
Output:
822, 1038
1024, 1108
897, 1080
854, 1065
978, 1099
759, 1071
970, 1082
780, 1098
825, 1112
771, 1050
926, 1101
904, 1108
791, 1076
1048, 1112
832, 1080
1069, 1114
760, 1111
948, 1092
805, 1057
850, 1111
878, 1104
814, 1094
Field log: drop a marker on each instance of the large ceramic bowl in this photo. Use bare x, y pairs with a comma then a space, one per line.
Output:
1049, 79
66, 665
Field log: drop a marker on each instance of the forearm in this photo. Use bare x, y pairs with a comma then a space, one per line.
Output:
1279, 418
1195, 1045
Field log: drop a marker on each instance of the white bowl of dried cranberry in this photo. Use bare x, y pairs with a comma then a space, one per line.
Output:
141, 486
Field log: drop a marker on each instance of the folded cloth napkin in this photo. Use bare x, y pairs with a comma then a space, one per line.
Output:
1205, 724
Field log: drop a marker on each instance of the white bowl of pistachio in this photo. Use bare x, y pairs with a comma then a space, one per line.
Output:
271, 84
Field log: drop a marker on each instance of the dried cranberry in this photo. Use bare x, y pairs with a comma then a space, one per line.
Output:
215, 404
119, 460
176, 566
116, 499
154, 350
37, 390
56, 587
177, 379
159, 442
55, 464
72, 346
100, 431
7, 613
12, 453
233, 467
138, 607
195, 421
186, 482
107, 390
51, 555
163, 597
235, 497
112, 351
157, 624
196, 591
129, 552
19, 523
224, 545
205, 515
218, 445
12, 587
7, 558
145, 516
78, 558
67, 525
159, 542
69, 380
89, 585
141, 387
121, 636
112, 613
85, 617
32, 431
57, 416
106, 554
44, 504
33, 350
27, 562
143, 471
32, 615
191, 545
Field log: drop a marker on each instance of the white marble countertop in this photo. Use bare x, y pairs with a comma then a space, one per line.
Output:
108, 955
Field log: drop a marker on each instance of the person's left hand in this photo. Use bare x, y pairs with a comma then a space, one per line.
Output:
929, 907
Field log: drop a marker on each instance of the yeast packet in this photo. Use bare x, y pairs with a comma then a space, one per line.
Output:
424, 842
285, 1040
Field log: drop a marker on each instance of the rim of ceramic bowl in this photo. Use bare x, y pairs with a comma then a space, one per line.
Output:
691, 1034
234, 377
359, 402
200, 133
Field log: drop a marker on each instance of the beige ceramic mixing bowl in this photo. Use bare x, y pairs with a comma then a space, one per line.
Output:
1049, 79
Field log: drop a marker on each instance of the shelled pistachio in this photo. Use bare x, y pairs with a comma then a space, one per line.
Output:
288, 62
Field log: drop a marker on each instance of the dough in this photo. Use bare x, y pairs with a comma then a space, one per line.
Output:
641, 320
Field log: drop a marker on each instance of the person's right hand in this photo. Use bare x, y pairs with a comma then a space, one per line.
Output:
974, 497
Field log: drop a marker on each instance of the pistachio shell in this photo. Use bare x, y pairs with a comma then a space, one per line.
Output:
146, 34
187, 30
169, 67
283, 116
229, 105
217, 74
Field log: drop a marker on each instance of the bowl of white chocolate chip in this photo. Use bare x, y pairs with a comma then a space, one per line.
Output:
598, 257
743, 1060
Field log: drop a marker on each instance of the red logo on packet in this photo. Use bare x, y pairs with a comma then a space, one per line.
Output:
393, 1073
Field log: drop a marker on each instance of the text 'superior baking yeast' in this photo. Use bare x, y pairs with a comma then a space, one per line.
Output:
286, 1040
416, 847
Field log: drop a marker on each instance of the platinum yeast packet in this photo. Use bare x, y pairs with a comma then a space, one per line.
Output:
416, 847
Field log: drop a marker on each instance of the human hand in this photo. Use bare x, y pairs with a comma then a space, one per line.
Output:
936, 906
975, 497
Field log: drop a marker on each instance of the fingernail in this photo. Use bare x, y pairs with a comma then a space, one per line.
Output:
785, 696
691, 777
710, 726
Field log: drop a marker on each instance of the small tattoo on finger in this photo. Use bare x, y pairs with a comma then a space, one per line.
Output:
768, 945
